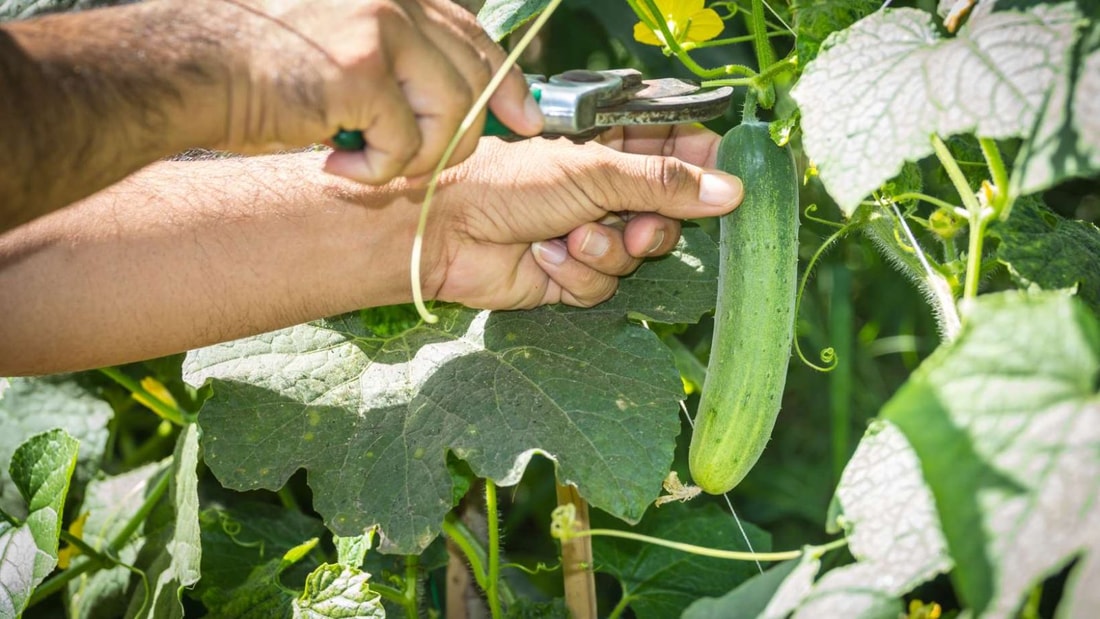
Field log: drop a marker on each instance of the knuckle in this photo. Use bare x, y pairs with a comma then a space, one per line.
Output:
669, 173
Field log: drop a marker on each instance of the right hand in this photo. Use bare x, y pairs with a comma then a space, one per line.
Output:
404, 72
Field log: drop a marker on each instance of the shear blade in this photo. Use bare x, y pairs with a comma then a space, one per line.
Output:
667, 108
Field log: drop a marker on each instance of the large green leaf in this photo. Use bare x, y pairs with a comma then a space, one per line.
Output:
110, 503
500, 17
372, 416
30, 406
879, 90
1006, 422
41, 469
660, 582
1066, 141
178, 562
1042, 248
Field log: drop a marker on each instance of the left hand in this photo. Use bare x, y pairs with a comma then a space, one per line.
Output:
576, 218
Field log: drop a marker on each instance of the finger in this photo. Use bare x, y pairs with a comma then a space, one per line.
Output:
648, 235
581, 285
512, 102
473, 68
438, 95
391, 135
652, 183
601, 247
691, 143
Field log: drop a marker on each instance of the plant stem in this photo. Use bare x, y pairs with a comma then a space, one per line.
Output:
765, 56
412, 563
475, 554
840, 384
158, 406
691, 45
703, 551
58, 581
978, 216
970, 201
673, 46
620, 608
1002, 203
576, 559
492, 518
923, 197
389, 593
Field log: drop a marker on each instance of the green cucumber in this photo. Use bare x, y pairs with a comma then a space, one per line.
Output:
754, 318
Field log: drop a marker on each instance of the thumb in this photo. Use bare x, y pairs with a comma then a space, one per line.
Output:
665, 185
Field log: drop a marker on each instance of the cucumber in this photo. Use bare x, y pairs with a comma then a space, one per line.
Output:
754, 318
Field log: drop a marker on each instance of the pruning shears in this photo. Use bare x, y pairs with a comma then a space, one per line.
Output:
581, 104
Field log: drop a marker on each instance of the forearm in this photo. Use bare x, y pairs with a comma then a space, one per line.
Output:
185, 254
87, 98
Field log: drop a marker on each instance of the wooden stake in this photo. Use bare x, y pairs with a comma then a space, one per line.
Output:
576, 560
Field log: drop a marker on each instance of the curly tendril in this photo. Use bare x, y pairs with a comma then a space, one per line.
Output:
827, 355
809, 211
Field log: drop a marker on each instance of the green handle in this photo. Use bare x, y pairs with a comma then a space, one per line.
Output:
348, 139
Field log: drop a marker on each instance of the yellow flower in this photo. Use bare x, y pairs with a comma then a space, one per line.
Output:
687, 21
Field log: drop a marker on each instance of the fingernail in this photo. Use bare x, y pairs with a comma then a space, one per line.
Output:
658, 240
533, 113
595, 244
553, 252
720, 189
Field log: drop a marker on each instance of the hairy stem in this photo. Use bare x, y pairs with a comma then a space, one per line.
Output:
492, 518
977, 216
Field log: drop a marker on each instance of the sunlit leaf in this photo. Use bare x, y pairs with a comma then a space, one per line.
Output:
878, 90
1006, 422
373, 417
41, 469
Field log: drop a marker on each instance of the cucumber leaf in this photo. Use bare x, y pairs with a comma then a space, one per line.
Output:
174, 548
893, 554
338, 591
814, 20
235, 539
878, 90
500, 18
110, 503
1066, 140
661, 582
260, 595
1044, 249
30, 406
372, 417
1006, 423
41, 469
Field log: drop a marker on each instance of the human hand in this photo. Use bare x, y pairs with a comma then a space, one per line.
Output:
405, 72
546, 221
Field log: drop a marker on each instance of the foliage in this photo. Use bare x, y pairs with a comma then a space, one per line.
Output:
947, 462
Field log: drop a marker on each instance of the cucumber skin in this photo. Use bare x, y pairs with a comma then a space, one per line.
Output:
754, 317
